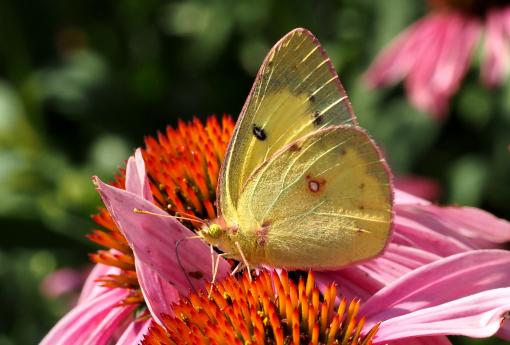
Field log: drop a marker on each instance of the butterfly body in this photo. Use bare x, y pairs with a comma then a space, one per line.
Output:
302, 186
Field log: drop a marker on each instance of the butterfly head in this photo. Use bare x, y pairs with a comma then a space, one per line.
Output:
218, 234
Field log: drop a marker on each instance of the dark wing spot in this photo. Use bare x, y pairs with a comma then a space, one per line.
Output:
294, 147
312, 98
259, 133
315, 184
317, 118
196, 274
361, 186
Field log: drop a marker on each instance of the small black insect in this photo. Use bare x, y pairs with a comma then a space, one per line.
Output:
259, 133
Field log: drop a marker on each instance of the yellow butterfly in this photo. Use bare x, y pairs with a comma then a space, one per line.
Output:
301, 187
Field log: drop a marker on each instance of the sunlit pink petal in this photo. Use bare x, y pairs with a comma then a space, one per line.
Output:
161, 242
425, 302
477, 316
134, 333
92, 322
496, 62
402, 198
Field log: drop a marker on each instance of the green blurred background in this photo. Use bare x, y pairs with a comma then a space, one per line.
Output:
82, 83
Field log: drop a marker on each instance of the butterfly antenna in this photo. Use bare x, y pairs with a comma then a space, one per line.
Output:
191, 218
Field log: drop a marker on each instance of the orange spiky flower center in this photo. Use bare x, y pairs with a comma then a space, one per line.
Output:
269, 310
182, 165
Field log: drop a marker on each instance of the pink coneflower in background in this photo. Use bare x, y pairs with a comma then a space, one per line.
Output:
149, 263
433, 55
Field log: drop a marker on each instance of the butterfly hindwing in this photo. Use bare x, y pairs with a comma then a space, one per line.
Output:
324, 201
296, 92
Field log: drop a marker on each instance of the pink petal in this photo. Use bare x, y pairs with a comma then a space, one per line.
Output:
159, 294
418, 186
91, 288
92, 322
352, 282
495, 66
162, 243
402, 198
410, 231
395, 62
426, 303
365, 279
478, 316
437, 340
136, 178
62, 281
474, 227
134, 333
504, 331
438, 71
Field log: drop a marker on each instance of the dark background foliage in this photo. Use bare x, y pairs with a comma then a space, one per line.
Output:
82, 83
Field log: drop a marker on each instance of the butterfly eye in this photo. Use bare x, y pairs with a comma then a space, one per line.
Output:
215, 231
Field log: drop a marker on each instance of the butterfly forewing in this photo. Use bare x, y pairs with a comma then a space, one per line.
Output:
324, 201
296, 92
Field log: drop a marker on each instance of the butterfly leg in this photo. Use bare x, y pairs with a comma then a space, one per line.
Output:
238, 268
245, 262
215, 265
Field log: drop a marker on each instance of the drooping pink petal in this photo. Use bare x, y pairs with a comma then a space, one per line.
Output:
496, 63
134, 333
158, 293
432, 56
425, 302
395, 62
92, 322
437, 73
91, 288
161, 242
136, 177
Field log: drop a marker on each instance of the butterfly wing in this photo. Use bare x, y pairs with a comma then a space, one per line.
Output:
322, 202
296, 92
